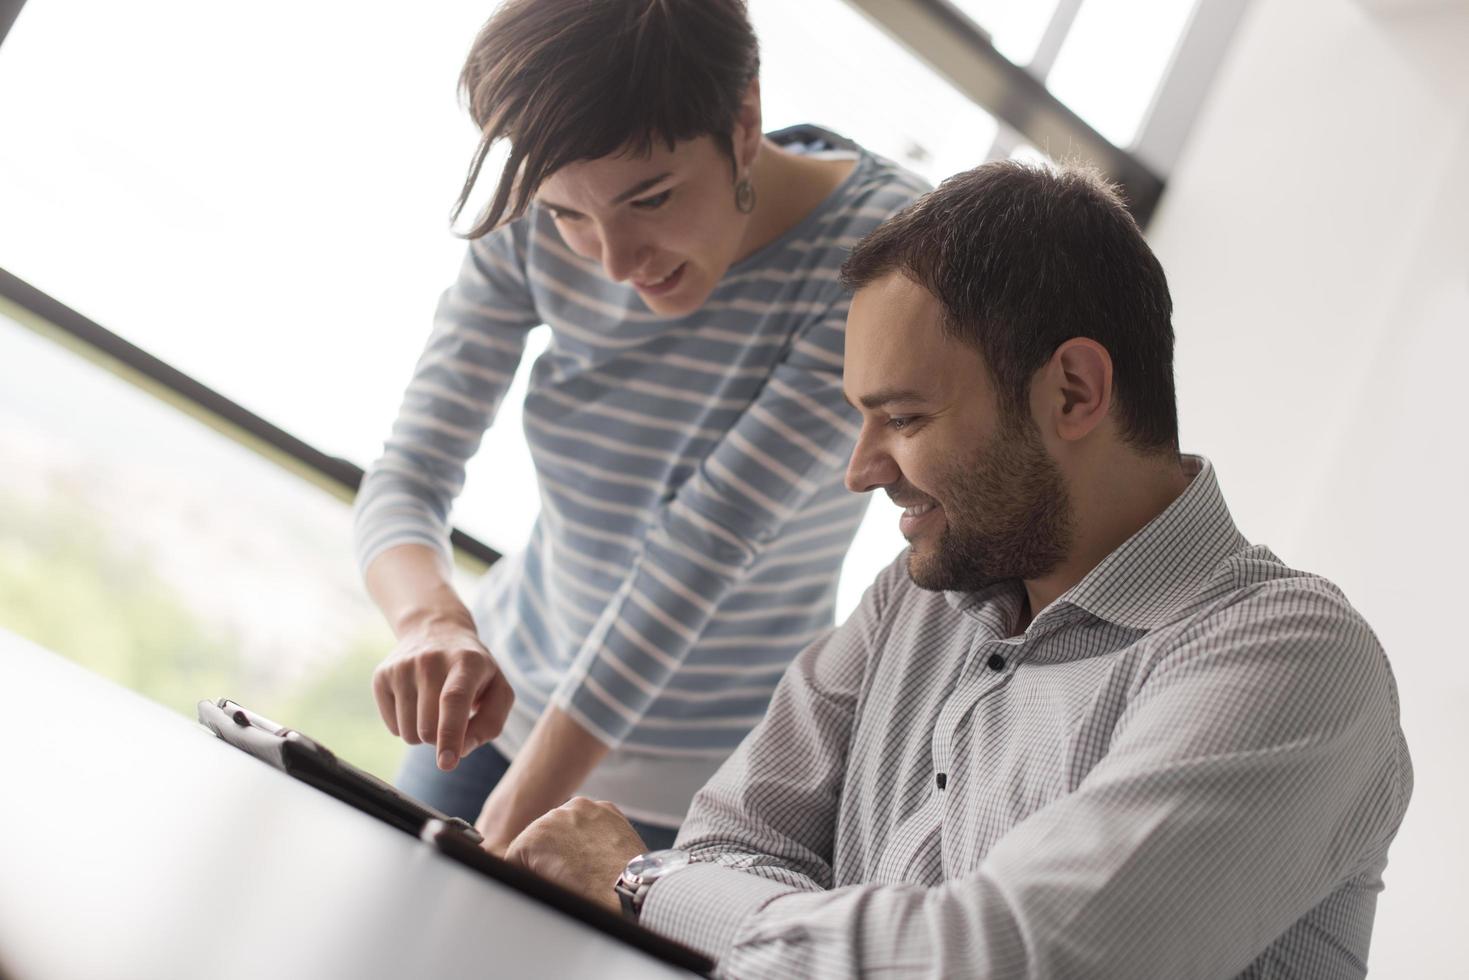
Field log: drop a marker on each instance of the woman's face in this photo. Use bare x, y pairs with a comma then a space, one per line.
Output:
666, 223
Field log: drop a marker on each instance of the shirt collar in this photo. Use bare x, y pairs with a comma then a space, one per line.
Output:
1161, 567
1150, 575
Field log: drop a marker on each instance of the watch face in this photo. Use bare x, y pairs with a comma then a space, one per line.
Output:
650, 867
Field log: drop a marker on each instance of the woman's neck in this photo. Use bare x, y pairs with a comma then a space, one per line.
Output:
788, 187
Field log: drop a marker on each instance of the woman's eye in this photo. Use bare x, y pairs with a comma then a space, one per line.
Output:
654, 202
559, 215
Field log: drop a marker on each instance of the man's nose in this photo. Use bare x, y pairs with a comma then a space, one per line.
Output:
870, 466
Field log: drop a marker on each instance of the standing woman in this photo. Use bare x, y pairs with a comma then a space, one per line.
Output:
686, 422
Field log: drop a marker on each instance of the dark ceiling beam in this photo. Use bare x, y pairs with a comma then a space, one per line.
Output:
954, 47
9, 11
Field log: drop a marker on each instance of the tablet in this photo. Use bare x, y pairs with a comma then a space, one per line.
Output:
311, 762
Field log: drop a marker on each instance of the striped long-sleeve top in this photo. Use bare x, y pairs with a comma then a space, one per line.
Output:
693, 519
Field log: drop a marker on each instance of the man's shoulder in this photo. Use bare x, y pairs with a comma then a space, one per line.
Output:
1257, 614
1255, 584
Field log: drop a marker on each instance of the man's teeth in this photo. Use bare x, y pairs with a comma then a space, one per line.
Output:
918, 509
659, 282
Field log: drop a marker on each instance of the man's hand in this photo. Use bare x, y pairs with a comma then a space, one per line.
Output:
441, 686
582, 845
553, 762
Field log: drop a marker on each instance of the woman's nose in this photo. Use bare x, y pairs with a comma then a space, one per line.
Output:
621, 256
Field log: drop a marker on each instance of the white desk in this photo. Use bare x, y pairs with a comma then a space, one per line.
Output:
134, 844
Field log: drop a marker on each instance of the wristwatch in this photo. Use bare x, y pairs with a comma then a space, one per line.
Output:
640, 874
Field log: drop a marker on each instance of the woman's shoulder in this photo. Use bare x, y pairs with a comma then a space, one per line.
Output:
876, 187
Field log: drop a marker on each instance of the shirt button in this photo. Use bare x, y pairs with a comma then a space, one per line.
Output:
940, 779
996, 662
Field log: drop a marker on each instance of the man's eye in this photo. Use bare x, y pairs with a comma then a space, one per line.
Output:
653, 203
900, 422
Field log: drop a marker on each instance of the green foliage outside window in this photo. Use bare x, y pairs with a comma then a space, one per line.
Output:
66, 587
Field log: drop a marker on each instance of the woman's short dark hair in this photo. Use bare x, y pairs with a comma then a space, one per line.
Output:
1022, 258
568, 80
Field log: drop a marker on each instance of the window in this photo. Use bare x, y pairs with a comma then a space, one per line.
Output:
266, 210
1015, 27
1113, 60
818, 61
127, 545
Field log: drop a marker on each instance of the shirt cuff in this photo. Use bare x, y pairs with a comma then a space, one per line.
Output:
705, 905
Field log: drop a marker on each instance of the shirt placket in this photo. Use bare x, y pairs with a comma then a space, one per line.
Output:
916, 832
988, 666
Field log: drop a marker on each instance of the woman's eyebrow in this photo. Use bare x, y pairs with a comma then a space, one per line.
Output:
641, 186
625, 196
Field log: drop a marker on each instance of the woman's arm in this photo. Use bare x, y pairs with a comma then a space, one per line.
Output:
556, 758
699, 546
440, 685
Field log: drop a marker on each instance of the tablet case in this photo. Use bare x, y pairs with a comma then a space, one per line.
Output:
311, 762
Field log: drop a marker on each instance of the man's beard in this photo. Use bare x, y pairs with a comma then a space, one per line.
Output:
1007, 515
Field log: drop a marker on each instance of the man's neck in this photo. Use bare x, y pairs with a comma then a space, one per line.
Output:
1112, 505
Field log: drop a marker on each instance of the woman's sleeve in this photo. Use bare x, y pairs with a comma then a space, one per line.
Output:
478, 336
790, 443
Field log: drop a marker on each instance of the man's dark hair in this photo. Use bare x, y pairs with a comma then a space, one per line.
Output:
568, 80
1023, 258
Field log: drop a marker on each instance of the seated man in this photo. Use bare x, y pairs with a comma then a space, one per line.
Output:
1081, 727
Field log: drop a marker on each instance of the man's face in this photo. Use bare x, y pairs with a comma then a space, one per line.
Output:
983, 500
665, 222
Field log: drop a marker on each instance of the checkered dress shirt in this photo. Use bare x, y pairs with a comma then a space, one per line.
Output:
1188, 765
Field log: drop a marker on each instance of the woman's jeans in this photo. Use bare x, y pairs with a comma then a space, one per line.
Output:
462, 792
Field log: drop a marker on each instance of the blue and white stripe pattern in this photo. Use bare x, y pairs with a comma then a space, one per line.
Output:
693, 519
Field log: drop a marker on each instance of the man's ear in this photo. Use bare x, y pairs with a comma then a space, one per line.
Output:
747, 133
1076, 385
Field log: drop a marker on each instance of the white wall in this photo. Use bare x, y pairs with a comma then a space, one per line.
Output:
1316, 236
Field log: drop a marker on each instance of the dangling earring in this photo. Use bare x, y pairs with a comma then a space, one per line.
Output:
745, 195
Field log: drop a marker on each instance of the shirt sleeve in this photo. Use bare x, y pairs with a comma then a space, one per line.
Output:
764, 826
791, 443
478, 337
1247, 778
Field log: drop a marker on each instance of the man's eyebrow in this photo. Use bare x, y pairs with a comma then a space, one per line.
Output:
885, 396
640, 187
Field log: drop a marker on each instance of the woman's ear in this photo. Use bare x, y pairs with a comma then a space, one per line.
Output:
747, 132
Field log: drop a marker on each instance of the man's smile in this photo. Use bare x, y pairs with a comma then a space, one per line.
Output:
917, 515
